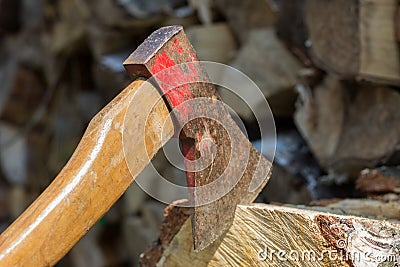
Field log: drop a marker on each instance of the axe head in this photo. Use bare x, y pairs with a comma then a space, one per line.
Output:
223, 169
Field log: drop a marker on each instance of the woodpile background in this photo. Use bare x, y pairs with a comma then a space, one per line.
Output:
330, 70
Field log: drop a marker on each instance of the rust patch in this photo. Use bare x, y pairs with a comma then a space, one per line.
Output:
334, 229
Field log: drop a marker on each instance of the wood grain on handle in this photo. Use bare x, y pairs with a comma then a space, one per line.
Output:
91, 182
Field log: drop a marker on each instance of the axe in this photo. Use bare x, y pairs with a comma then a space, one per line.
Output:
223, 169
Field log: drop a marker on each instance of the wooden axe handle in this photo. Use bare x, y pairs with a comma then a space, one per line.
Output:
91, 182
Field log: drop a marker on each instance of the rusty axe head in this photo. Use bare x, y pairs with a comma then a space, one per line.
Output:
223, 168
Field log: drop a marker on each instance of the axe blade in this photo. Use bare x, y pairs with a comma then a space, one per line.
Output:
236, 164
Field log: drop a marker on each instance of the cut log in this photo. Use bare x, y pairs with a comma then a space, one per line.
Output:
270, 235
377, 208
355, 38
244, 16
68, 35
24, 89
265, 59
381, 180
336, 117
291, 27
24, 156
213, 43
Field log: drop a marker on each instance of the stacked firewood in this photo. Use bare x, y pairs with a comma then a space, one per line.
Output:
329, 70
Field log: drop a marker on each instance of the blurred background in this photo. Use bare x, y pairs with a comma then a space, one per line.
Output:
329, 70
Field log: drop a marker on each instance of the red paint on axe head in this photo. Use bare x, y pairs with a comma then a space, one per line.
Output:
178, 48
173, 81
161, 55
